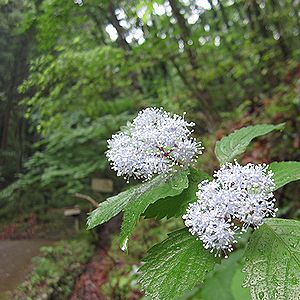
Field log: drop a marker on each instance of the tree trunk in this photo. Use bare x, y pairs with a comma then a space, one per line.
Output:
120, 30
224, 16
185, 33
281, 42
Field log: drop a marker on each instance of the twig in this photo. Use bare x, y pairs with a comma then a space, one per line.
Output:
88, 198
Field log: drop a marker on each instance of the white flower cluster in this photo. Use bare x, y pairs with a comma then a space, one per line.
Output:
79, 2
237, 197
152, 144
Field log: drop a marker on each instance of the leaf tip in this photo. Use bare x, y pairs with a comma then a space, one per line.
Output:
124, 245
280, 126
89, 224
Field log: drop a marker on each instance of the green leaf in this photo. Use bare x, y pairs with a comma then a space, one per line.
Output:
235, 143
114, 205
285, 172
238, 291
272, 261
157, 188
224, 283
175, 266
109, 208
220, 285
176, 206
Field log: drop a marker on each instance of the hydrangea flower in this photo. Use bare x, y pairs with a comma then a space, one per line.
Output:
153, 143
237, 197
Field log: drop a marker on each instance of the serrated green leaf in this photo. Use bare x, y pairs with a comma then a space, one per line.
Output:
224, 283
157, 189
272, 261
114, 205
109, 208
238, 291
235, 143
176, 206
219, 286
175, 266
285, 172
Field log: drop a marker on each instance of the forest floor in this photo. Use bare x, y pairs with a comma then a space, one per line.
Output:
94, 275
15, 262
96, 271
22, 239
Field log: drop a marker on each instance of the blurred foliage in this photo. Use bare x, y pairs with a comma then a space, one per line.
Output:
121, 281
71, 75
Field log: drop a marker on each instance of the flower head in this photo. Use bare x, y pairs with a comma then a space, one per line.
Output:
153, 143
237, 195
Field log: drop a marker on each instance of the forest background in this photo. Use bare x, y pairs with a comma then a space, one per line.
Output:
72, 74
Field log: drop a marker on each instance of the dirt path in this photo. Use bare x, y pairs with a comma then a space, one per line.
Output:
15, 259
95, 274
96, 271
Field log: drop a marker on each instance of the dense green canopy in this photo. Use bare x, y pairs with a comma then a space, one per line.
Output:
72, 74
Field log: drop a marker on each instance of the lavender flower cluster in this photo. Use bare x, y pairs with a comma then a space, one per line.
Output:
153, 143
237, 197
